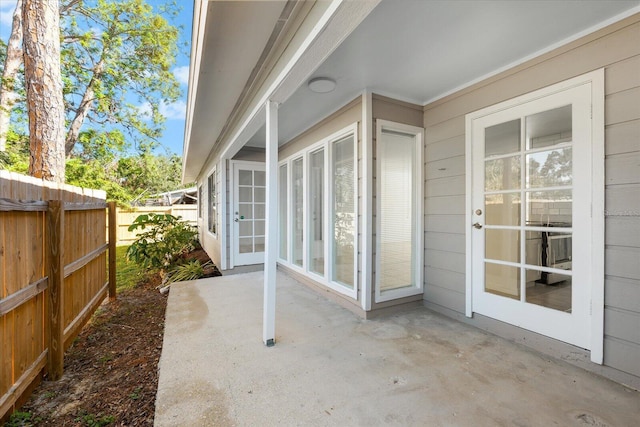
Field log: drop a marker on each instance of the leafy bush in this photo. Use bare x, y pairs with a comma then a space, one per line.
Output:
166, 239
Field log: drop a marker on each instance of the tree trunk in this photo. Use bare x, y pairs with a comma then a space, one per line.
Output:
83, 109
43, 84
8, 95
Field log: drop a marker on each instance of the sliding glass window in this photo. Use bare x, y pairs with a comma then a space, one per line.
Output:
283, 201
343, 224
297, 214
316, 212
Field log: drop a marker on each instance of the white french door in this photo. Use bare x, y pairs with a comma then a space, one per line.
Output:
531, 227
248, 212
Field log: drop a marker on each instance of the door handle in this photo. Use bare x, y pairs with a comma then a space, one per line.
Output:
477, 226
236, 220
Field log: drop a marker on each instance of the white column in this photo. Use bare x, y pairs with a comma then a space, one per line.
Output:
367, 200
271, 229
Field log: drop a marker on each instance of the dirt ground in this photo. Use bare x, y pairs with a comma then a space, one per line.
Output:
111, 370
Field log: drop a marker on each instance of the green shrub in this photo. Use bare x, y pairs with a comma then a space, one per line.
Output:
165, 240
191, 270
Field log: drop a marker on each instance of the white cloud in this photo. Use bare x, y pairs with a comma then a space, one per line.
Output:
182, 74
174, 111
6, 12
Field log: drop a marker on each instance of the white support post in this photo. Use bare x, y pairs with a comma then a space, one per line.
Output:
366, 287
271, 232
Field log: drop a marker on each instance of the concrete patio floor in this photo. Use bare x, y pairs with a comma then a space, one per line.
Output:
331, 368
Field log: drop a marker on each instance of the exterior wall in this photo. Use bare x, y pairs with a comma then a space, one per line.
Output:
617, 49
345, 116
384, 108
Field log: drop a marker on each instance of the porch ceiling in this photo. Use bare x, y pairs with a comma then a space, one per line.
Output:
418, 51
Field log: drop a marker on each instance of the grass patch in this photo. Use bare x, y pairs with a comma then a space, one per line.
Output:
128, 274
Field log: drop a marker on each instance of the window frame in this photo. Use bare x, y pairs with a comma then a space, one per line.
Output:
325, 144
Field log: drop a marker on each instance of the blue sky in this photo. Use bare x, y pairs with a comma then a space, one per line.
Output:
174, 133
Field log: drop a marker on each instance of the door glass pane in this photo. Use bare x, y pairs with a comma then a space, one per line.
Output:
245, 228
245, 245
245, 194
316, 209
259, 228
259, 241
503, 280
245, 211
551, 290
259, 177
549, 127
502, 209
343, 209
502, 174
549, 168
549, 208
297, 202
503, 245
284, 212
259, 210
396, 217
245, 177
549, 249
259, 194
503, 138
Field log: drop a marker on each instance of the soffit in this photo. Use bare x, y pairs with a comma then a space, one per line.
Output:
236, 33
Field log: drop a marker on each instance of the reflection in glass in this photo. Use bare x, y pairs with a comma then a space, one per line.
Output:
549, 208
284, 212
259, 242
297, 200
343, 211
502, 174
316, 210
502, 139
502, 280
396, 217
502, 245
551, 290
549, 127
549, 168
502, 209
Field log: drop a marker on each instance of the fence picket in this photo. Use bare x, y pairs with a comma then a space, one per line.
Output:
36, 325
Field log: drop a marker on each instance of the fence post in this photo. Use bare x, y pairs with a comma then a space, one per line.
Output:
113, 231
55, 357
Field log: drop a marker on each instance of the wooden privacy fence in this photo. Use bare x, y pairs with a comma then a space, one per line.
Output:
125, 218
53, 276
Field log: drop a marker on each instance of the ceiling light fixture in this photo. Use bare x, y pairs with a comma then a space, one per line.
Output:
322, 84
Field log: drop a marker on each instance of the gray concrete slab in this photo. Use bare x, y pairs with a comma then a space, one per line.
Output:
331, 368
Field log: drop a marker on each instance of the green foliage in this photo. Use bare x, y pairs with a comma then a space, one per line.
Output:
128, 274
19, 419
167, 238
123, 51
91, 420
16, 156
190, 270
95, 174
149, 174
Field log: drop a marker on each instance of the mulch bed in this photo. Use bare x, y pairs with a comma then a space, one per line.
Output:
111, 370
